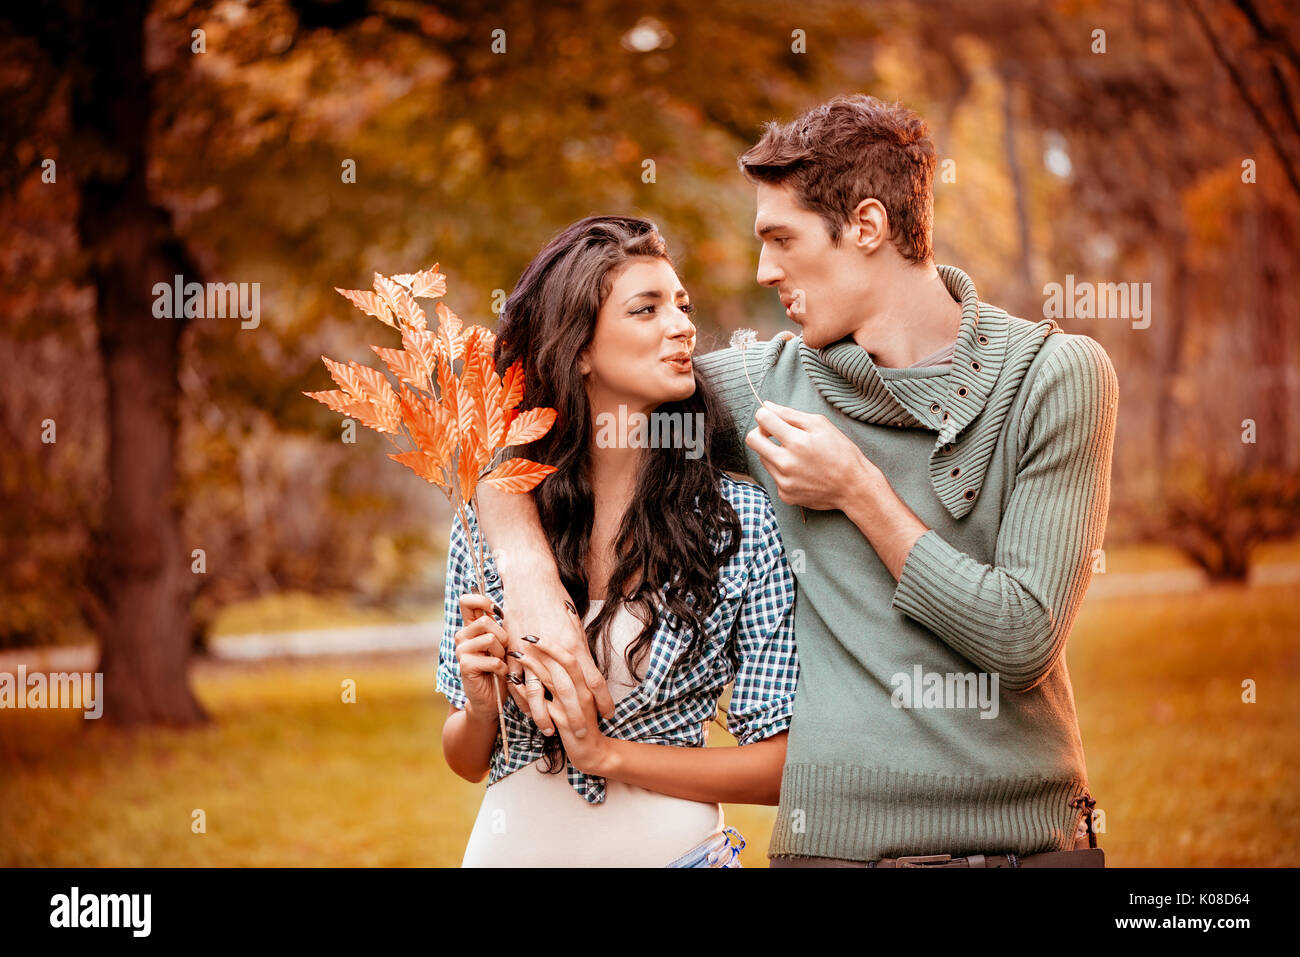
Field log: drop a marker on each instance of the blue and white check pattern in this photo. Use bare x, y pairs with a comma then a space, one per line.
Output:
749, 638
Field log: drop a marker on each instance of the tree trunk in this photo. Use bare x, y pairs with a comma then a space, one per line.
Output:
140, 567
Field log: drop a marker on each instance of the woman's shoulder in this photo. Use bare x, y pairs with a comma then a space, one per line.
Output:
752, 504
740, 489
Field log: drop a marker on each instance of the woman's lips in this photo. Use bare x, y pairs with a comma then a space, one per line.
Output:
681, 365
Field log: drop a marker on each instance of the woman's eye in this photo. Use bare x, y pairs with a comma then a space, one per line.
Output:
688, 307
643, 310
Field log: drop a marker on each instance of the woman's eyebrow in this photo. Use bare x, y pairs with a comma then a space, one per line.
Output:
648, 294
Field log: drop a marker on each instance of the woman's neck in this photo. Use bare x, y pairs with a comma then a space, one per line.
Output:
613, 473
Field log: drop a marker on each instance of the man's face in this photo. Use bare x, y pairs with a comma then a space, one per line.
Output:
822, 286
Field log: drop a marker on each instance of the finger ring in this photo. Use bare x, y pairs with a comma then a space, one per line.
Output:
533, 681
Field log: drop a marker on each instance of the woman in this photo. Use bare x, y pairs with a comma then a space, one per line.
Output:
675, 568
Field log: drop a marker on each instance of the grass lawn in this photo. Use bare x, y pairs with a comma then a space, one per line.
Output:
289, 775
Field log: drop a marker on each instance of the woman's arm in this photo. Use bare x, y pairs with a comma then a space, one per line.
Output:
750, 774
468, 739
470, 732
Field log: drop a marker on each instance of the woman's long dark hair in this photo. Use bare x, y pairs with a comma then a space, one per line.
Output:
678, 530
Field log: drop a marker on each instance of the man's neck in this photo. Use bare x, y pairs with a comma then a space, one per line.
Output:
912, 317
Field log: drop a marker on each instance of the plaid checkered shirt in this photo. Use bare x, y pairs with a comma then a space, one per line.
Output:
749, 640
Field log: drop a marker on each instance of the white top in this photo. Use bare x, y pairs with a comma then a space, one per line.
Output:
533, 819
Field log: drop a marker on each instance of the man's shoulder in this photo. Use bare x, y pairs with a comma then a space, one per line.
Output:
756, 359
1074, 357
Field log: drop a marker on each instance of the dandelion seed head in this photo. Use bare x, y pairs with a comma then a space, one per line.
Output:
742, 338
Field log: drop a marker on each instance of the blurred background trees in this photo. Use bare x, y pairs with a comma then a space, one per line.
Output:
305, 145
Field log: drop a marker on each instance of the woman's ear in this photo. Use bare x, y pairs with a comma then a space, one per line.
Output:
584, 367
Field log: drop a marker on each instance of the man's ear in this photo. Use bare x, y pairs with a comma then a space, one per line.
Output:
868, 225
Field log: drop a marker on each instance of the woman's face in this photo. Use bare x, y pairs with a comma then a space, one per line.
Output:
643, 324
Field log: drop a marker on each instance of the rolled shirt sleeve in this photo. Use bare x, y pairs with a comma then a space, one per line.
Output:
458, 582
765, 657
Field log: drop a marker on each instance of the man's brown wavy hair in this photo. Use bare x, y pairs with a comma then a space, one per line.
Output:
849, 149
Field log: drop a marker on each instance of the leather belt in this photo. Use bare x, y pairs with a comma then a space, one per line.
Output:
1083, 857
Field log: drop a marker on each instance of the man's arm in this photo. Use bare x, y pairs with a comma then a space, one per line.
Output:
536, 602
1013, 617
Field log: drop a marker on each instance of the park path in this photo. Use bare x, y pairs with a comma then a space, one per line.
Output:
424, 636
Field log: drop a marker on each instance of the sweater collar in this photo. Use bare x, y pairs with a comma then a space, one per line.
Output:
992, 349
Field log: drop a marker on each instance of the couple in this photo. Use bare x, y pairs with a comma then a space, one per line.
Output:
935, 476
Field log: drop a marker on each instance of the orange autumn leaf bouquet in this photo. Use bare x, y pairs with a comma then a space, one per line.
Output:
458, 422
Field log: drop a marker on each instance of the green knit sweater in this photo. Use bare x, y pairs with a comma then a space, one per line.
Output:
935, 714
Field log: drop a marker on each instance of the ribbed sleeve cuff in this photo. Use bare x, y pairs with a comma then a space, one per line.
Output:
926, 579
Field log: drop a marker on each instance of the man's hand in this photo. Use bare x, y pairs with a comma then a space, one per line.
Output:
816, 465
536, 605
532, 611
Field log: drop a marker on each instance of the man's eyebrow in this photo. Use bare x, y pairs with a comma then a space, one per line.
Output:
769, 228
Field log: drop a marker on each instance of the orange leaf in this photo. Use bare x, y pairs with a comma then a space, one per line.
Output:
369, 303
481, 337
512, 387
429, 284
529, 426
378, 392
449, 333
423, 343
448, 391
517, 475
423, 466
345, 377
429, 425
489, 416
468, 466
396, 297
336, 400
373, 418
408, 366
470, 380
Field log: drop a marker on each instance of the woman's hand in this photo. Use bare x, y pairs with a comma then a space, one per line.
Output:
480, 649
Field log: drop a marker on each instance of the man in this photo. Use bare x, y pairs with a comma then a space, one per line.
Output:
943, 473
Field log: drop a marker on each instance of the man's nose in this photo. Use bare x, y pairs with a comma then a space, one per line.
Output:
768, 273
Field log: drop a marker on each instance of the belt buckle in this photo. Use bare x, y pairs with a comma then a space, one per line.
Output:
921, 860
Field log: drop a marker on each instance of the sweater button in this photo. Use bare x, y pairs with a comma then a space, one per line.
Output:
974, 364
963, 391
934, 407
982, 340
956, 472
968, 494
946, 448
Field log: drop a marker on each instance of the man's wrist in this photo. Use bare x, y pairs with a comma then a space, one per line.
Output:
862, 487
